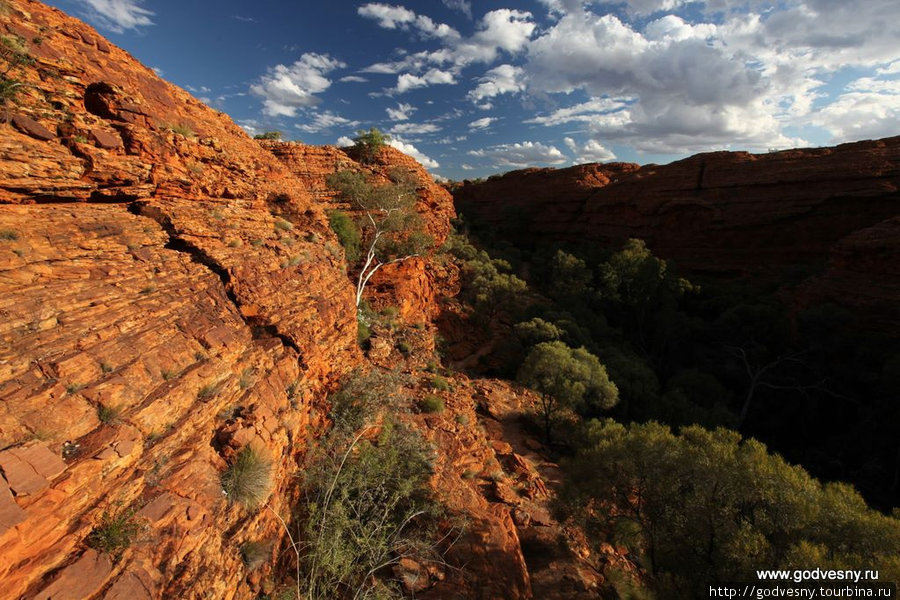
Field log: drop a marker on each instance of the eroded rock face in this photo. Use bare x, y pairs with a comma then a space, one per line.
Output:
411, 285
170, 294
727, 213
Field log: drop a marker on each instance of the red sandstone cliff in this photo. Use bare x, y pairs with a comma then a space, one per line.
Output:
170, 293
732, 213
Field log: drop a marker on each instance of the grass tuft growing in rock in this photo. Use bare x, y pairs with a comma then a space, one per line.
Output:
116, 532
248, 479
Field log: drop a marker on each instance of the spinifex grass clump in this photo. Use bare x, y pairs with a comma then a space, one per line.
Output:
247, 481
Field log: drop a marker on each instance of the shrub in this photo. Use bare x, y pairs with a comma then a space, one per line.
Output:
363, 396
269, 135
432, 404
248, 479
369, 143
108, 414
116, 532
363, 333
181, 129
404, 348
207, 392
283, 224
10, 235
440, 384
368, 505
347, 232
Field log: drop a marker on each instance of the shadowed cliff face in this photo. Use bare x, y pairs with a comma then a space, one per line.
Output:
725, 213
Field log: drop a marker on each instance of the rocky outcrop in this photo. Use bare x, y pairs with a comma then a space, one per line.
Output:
717, 212
412, 285
170, 294
772, 217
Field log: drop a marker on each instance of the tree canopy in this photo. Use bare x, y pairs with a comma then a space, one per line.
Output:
705, 506
391, 229
566, 378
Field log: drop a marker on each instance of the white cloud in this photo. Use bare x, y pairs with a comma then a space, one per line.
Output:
407, 148
463, 6
401, 113
503, 79
399, 17
408, 81
414, 128
326, 120
585, 112
501, 30
285, 89
482, 123
118, 15
870, 108
353, 79
344, 141
389, 17
891, 69
592, 151
520, 155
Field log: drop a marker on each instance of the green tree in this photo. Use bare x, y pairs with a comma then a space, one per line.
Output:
391, 228
268, 135
489, 290
705, 506
634, 286
13, 57
347, 232
566, 378
570, 278
369, 143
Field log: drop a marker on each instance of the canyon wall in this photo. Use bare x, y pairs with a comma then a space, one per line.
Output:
773, 217
170, 294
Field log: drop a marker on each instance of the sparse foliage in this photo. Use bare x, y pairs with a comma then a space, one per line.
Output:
369, 143
117, 530
268, 135
391, 228
347, 232
368, 505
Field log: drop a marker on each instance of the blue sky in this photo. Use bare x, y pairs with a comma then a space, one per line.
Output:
475, 87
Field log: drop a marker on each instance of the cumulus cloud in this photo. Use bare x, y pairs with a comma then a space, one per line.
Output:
284, 89
482, 123
592, 151
399, 17
407, 148
592, 111
117, 15
344, 141
402, 112
325, 121
408, 81
522, 154
414, 128
501, 30
463, 6
503, 79
869, 108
